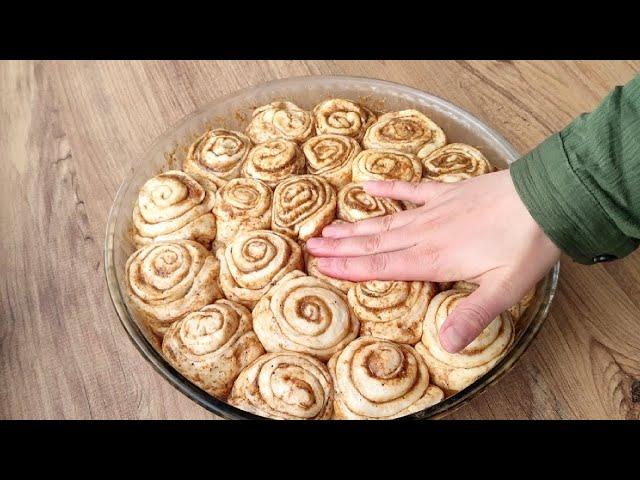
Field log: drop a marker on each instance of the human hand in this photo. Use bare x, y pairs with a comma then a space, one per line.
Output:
477, 230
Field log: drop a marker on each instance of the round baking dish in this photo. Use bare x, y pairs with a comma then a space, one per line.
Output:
233, 111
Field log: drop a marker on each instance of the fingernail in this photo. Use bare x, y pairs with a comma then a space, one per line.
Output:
330, 230
451, 340
314, 242
370, 184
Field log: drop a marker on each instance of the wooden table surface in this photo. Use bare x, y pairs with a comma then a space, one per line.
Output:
70, 130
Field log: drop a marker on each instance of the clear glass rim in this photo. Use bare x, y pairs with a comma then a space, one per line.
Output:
222, 408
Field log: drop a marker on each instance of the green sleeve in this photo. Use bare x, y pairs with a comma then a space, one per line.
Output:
582, 185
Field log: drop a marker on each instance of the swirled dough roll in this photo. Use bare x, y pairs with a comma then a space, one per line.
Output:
274, 161
442, 286
174, 206
516, 311
280, 120
211, 346
302, 206
304, 314
285, 385
463, 285
331, 157
243, 204
354, 204
455, 371
376, 379
392, 310
342, 117
453, 163
407, 131
311, 263
217, 155
386, 165
166, 281
519, 308
253, 262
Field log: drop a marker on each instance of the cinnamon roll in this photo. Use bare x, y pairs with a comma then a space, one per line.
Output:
253, 262
166, 281
243, 204
304, 314
442, 286
342, 117
354, 204
453, 163
376, 379
211, 346
455, 371
462, 285
331, 157
280, 120
217, 155
519, 308
311, 263
174, 206
392, 310
386, 165
285, 385
274, 161
302, 206
407, 131
516, 310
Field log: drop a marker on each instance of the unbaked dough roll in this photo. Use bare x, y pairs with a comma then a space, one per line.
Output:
166, 281
243, 204
442, 286
211, 346
280, 120
174, 206
354, 204
217, 155
393, 310
331, 157
302, 206
274, 161
386, 165
462, 285
253, 262
455, 371
285, 385
453, 163
517, 311
407, 131
304, 314
342, 117
377, 379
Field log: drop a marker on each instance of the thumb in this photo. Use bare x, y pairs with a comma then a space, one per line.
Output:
471, 316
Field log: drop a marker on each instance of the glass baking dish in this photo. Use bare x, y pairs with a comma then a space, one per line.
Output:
233, 111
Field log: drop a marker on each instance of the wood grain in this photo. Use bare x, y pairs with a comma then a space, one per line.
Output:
70, 130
